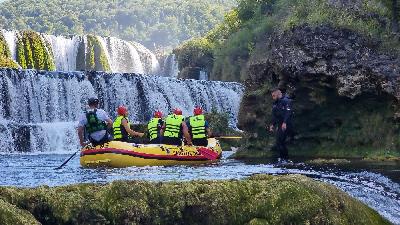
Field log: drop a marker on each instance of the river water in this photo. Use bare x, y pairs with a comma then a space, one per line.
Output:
377, 185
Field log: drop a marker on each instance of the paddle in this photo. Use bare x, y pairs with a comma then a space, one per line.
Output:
228, 137
208, 153
72, 156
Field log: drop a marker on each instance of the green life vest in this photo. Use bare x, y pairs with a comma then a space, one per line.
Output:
173, 126
153, 128
198, 127
119, 129
93, 123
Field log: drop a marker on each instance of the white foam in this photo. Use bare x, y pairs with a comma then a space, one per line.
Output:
64, 51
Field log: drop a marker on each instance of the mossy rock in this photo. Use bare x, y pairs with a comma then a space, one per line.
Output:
5, 54
95, 56
7, 63
4, 51
261, 199
11, 215
33, 52
320, 161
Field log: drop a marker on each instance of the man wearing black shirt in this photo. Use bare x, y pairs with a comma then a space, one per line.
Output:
281, 122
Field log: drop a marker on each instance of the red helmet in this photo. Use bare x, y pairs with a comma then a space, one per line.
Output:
158, 114
177, 111
122, 110
197, 111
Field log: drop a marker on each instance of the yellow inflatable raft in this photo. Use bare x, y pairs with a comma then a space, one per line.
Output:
122, 154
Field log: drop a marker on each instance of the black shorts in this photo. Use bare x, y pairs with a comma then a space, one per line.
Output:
171, 141
106, 138
200, 142
155, 141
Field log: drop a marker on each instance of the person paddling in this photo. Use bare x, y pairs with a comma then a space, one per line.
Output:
95, 121
122, 127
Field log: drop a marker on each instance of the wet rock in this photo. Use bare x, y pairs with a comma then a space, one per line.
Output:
328, 161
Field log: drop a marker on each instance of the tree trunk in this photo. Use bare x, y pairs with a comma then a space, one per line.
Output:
395, 14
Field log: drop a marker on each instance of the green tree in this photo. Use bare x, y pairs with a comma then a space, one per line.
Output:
164, 23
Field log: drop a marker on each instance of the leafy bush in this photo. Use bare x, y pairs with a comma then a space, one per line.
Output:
250, 23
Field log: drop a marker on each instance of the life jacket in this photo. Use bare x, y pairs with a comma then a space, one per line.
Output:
93, 123
282, 110
153, 128
119, 130
173, 126
198, 127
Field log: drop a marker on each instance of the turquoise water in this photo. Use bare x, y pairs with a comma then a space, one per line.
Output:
377, 185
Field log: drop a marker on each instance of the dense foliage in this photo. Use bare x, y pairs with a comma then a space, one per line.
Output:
235, 40
163, 23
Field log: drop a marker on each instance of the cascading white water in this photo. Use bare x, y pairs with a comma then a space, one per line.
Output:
170, 66
11, 39
203, 75
151, 64
122, 56
145, 94
38, 97
64, 50
39, 110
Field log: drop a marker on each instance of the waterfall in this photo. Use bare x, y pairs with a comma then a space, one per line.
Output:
203, 75
122, 56
11, 39
170, 66
152, 66
39, 110
64, 50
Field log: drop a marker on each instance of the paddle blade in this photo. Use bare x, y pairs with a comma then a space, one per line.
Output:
228, 137
208, 153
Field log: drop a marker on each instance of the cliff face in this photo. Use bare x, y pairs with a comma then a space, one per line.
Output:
345, 89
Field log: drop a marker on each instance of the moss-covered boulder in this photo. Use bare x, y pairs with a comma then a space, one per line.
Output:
261, 199
10, 214
91, 55
5, 54
33, 52
4, 51
7, 63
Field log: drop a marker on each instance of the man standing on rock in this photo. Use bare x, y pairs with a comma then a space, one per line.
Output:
281, 122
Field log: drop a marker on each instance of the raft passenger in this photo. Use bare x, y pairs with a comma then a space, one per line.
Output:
122, 127
154, 128
198, 128
174, 128
95, 121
